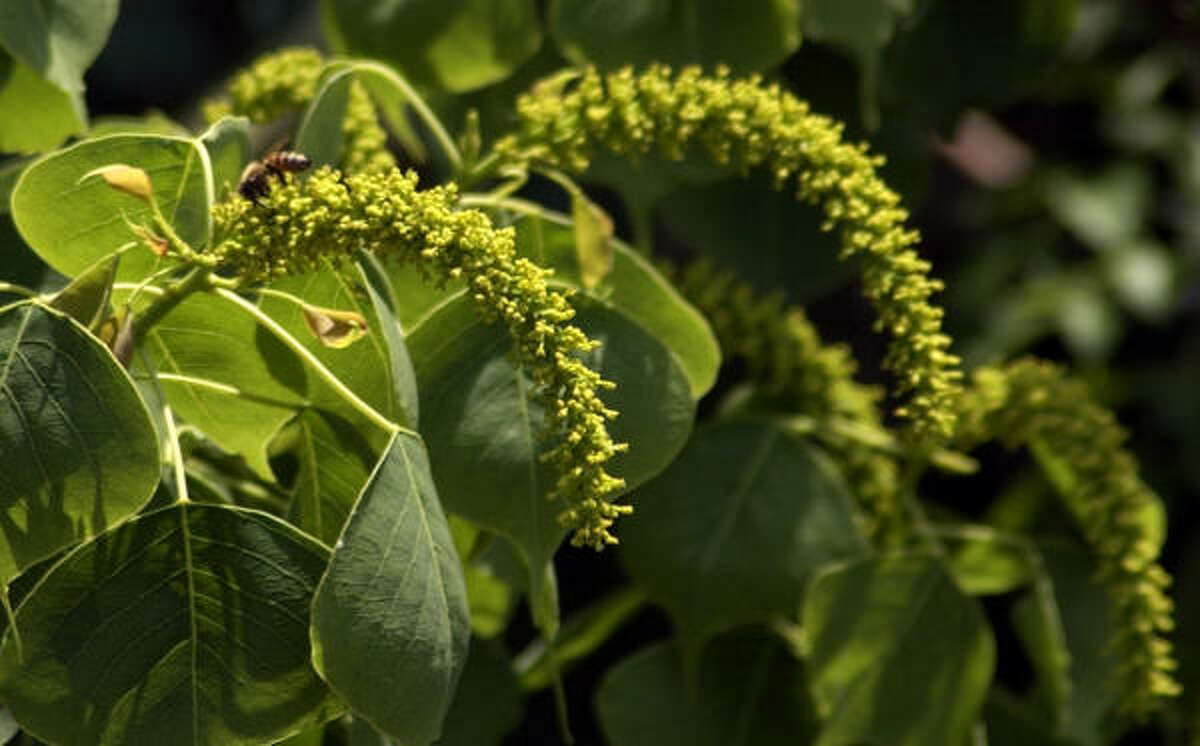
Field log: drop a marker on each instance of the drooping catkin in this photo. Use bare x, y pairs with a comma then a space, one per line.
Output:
748, 124
1033, 403
300, 227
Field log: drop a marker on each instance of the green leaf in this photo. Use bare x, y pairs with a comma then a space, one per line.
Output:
77, 448
320, 135
399, 364
747, 694
368, 367
896, 653
749, 35
487, 704
486, 434
228, 144
732, 530
791, 253
1011, 722
58, 39
455, 45
35, 115
390, 618
634, 288
593, 239
227, 375
334, 460
989, 562
1073, 686
71, 224
153, 122
187, 625
85, 299
998, 49
862, 28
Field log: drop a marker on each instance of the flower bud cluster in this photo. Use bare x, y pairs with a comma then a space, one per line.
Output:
1033, 403
302, 227
747, 124
783, 353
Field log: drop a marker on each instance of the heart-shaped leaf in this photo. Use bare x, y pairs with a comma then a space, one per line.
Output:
187, 625
72, 223
78, 451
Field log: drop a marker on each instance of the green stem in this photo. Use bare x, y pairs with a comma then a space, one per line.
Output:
182, 248
172, 295
341, 389
908, 494
12, 623
560, 712
9, 287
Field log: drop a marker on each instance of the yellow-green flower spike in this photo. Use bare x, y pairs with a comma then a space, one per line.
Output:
1033, 403
301, 227
783, 353
747, 124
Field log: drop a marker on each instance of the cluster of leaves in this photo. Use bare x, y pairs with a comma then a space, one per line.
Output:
287, 464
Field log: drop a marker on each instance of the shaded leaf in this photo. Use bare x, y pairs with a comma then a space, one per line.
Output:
334, 461
187, 625
593, 240
896, 653
749, 693
747, 36
228, 144
585, 631
390, 617
85, 299
732, 530
77, 448
399, 363
58, 39
487, 704
455, 45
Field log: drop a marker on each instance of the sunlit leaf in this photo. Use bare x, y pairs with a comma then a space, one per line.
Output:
72, 223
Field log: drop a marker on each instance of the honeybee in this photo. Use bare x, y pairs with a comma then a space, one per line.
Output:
256, 177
